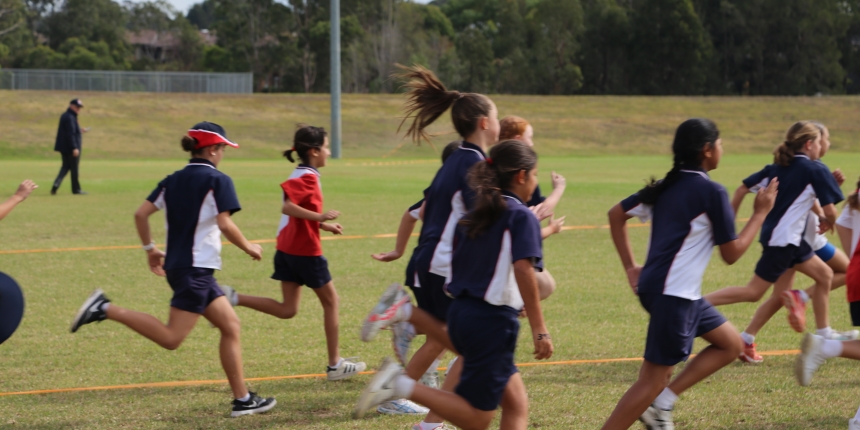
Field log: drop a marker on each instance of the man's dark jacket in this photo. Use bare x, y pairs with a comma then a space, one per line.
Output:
68, 134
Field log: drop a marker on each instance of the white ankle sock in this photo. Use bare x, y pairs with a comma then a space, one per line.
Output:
246, 398
831, 348
748, 338
428, 426
403, 386
824, 332
666, 400
803, 296
336, 366
104, 307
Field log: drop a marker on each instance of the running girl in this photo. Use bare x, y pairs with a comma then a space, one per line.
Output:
848, 227
491, 279
690, 214
803, 181
299, 260
198, 201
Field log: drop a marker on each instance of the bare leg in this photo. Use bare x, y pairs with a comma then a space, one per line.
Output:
851, 349
546, 284
449, 385
286, 310
653, 378
330, 303
725, 346
515, 405
222, 316
169, 336
822, 274
423, 358
752, 292
839, 264
772, 305
453, 408
432, 327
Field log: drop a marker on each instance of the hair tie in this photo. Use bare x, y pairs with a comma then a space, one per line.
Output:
489, 161
857, 191
293, 148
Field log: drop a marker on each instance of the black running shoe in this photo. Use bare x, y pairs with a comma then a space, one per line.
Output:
91, 310
254, 405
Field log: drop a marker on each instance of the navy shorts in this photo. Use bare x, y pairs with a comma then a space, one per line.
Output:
193, 288
776, 260
413, 284
826, 252
431, 296
675, 323
854, 307
303, 270
486, 336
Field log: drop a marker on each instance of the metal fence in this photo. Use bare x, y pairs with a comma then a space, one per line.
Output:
107, 80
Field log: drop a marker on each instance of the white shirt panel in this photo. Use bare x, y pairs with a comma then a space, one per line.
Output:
685, 275
789, 229
206, 252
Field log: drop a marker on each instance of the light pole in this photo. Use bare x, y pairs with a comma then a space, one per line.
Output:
335, 79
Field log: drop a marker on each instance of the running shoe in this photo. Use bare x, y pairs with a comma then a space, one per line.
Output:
844, 335
430, 378
796, 310
402, 334
380, 389
402, 407
748, 355
254, 405
91, 310
853, 424
388, 311
231, 295
444, 426
346, 369
655, 418
810, 358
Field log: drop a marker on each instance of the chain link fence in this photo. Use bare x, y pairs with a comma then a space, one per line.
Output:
105, 80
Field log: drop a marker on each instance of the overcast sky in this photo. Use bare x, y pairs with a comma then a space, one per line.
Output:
184, 5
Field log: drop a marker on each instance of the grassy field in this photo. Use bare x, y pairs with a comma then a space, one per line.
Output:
135, 125
591, 316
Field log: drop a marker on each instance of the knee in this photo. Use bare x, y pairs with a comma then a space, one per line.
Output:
171, 344
754, 295
230, 327
287, 312
331, 302
546, 285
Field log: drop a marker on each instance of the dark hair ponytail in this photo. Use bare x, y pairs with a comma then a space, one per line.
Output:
428, 99
307, 137
795, 139
853, 200
692, 136
189, 144
488, 178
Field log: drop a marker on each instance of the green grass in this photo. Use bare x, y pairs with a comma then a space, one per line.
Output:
135, 125
592, 315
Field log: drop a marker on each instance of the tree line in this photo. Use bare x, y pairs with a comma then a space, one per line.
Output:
554, 47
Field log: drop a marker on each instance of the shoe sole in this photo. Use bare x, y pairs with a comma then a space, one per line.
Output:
369, 329
749, 360
364, 401
87, 303
399, 412
796, 319
266, 408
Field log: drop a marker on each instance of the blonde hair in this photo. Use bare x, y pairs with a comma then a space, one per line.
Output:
795, 138
511, 127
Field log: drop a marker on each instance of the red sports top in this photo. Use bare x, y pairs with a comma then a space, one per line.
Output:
297, 236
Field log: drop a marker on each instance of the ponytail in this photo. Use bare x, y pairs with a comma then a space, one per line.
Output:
795, 139
428, 98
307, 137
189, 144
488, 178
691, 138
853, 201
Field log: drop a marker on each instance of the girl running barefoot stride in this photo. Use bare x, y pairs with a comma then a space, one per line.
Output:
498, 245
689, 215
299, 260
198, 201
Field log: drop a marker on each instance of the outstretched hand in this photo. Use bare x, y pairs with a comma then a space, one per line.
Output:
333, 228
25, 189
541, 212
386, 257
328, 216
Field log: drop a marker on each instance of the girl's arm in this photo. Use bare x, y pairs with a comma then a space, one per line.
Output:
141, 221
404, 232
293, 210
524, 273
554, 227
829, 217
20, 195
846, 237
764, 199
558, 186
618, 228
235, 236
738, 198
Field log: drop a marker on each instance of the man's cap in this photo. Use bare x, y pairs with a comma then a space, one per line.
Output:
77, 102
208, 134
11, 306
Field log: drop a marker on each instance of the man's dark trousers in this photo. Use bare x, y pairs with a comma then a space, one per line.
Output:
70, 163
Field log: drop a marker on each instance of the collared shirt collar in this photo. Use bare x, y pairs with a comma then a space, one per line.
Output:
802, 155
307, 166
696, 170
470, 145
72, 112
510, 195
201, 161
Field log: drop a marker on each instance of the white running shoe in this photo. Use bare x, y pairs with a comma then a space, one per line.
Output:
346, 369
231, 295
810, 358
389, 310
844, 335
402, 334
380, 389
442, 426
430, 378
402, 407
853, 424
655, 418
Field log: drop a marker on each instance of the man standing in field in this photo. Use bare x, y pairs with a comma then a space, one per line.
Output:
68, 144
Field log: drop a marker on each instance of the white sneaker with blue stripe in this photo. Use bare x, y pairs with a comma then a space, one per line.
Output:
402, 407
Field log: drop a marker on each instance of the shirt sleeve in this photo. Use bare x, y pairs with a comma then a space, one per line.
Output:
526, 239
722, 217
846, 217
157, 195
300, 190
225, 195
634, 208
826, 189
758, 179
414, 210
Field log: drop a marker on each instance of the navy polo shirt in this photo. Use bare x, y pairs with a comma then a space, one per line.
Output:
690, 217
482, 267
537, 198
800, 183
447, 199
415, 210
191, 199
